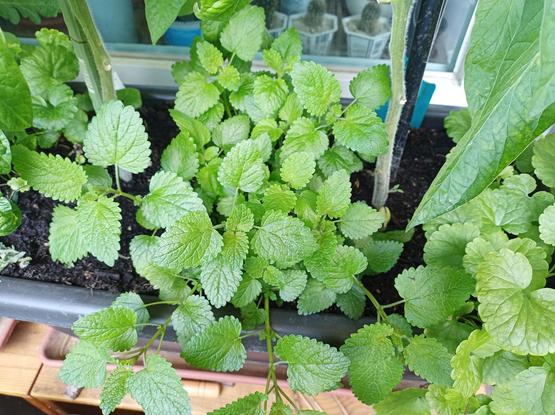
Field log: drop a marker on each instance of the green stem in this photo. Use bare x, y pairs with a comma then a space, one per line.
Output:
116, 174
135, 199
161, 303
382, 174
379, 309
396, 303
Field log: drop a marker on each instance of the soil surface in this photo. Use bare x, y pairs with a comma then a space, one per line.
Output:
424, 154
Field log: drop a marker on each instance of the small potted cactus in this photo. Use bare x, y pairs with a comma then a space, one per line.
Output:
276, 22
367, 33
316, 27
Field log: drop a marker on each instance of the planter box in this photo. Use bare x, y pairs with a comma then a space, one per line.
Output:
360, 45
315, 43
283, 21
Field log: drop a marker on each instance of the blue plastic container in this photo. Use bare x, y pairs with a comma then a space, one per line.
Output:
182, 33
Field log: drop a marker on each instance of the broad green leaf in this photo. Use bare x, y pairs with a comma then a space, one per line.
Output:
130, 96
142, 249
100, 227
303, 136
171, 284
196, 95
316, 297
10, 216
55, 108
5, 154
231, 131
446, 246
158, 389
421, 288
16, 112
192, 316
247, 405
243, 34
252, 317
218, 347
450, 333
371, 87
339, 158
65, 241
279, 197
457, 123
315, 86
547, 225
117, 137
279, 408
360, 129
169, 198
241, 219
381, 255
447, 401
292, 285
196, 129
360, 221
312, 366
352, 303
189, 241
504, 208
428, 358
291, 110
503, 366
543, 160
375, 368
248, 291
98, 179
85, 365
51, 175
282, 238
337, 273
229, 78
242, 168
411, 401
505, 61
114, 389
518, 318
113, 328
297, 169
289, 46
30, 9
209, 56
335, 195
181, 157
478, 250
270, 93
134, 302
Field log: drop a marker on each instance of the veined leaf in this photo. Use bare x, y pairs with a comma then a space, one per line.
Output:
16, 112
247, 405
85, 365
315, 86
244, 32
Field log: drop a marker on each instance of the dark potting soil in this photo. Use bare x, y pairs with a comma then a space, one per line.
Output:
424, 154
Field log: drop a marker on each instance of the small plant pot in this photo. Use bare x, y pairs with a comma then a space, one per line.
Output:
294, 6
361, 45
182, 33
315, 43
279, 23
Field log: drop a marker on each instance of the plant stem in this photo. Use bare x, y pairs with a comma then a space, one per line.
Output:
393, 304
379, 309
90, 51
116, 175
382, 174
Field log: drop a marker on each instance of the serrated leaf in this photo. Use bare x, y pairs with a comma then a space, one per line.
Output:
5, 154
181, 157
339, 158
288, 45
242, 168
51, 175
243, 34
303, 136
518, 318
31, 9
279, 408
457, 123
334, 197
209, 56
337, 273
505, 208
171, 285
450, 333
291, 110
117, 137
114, 389
432, 294
169, 198
113, 328
231, 131
352, 303
503, 366
142, 249
188, 241
547, 225
130, 96
315, 86
313, 366
218, 347
241, 219
411, 401
85, 365
248, 290
381, 255
282, 238
229, 77
65, 241
447, 401
270, 93
158, 389
16, 112
55, 108
100, 227
371, 87
544, 161
316, 297
428, 358
191, 317
292, 285
10, 216
247, 405
279, 197
375, 368
196, 95
196, 129
360, 221
360, 129
134, 302
446, 246
297, 169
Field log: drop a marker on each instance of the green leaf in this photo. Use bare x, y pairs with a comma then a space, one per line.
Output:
113, 328
279, 197
160, 15
196, 129
315, 86
5, 154
248, 291
210, 57
171, 284
192, 316
544, 161
247, 405
218, 347
303, 136
270, 93
252, 316
279, 408
337, 273
449, 401
547, 225
339, 158
531, 392
65, 241
457, 123
450, 333
360, 220
293, 284
232, 131
242, 168
10, 216
51, 175
169, 198
316, 297
243, 34
503, 63
229, 78
361, 130
334, 197
181, 157
428, 358
291, 110
196, 95
411, 401
98, 178
282, 238
446, 246
114, 389
518, 318
16, 112
134, 302
313, 366
130, 96
503, 366
30, 9
100, 227
142, 249
54, 108
188, 241
381, 255
505, 208
297, 169
158, 389
289, 46
371, 87
352, 303
241, 219
421, 287
375, 368
85, 365
117, 137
